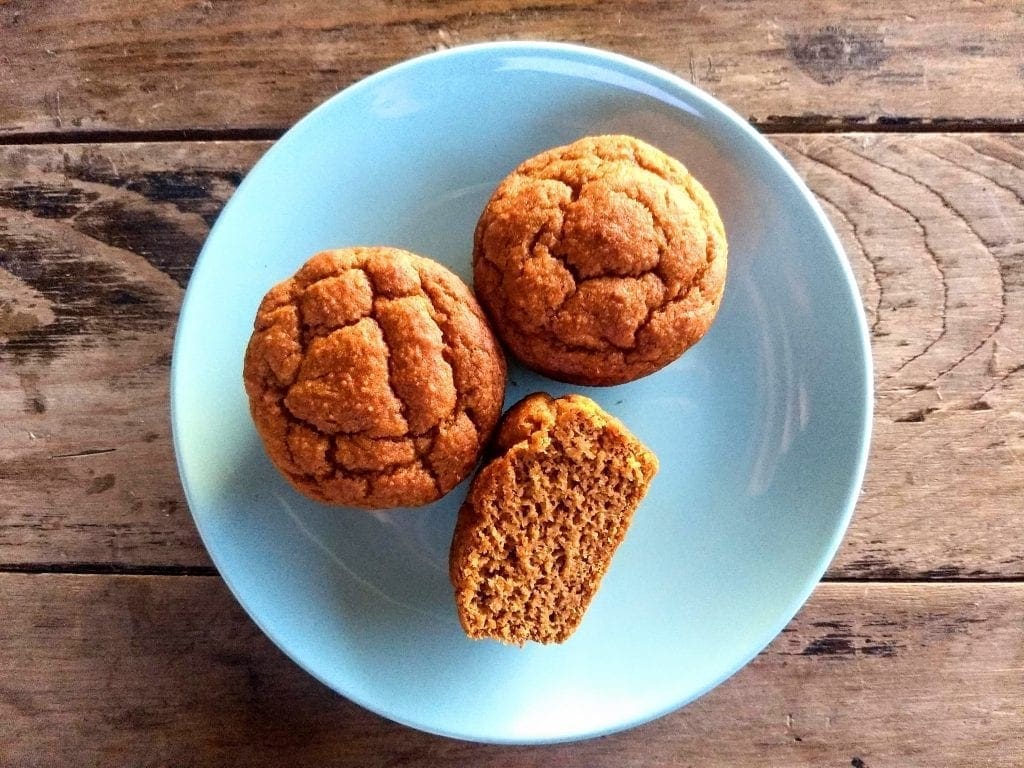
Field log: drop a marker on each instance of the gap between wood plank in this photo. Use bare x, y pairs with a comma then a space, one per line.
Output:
120, 569
770, 126
108, 569
152, 137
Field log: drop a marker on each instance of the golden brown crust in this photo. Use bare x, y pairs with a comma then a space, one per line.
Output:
601, 261
373, 378
542, 520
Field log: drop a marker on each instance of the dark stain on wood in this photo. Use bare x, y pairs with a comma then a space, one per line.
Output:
196, 190
143, 231
100, 484
832, 53
189, 191
122, 297
879, 649
122, 223
843, 640
848, 644
874, 566
831, 625
46, 200
88, 297
831, 644
915, 416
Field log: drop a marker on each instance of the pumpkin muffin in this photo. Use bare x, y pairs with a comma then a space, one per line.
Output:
373, 378
601, 261
542, 520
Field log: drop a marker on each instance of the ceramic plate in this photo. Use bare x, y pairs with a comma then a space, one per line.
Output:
761, 429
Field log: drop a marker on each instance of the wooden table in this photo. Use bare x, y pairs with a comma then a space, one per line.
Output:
125, 126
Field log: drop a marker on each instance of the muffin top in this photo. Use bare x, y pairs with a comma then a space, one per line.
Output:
601, 261
373, 378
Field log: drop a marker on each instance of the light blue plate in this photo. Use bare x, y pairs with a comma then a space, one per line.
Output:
762, 429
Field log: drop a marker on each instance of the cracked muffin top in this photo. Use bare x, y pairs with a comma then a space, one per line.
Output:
373, 378
601, 261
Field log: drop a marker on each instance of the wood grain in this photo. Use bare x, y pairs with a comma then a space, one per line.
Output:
96, 244
146, 671
934, 228
81, 65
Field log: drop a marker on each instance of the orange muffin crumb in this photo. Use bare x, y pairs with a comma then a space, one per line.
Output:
542, 520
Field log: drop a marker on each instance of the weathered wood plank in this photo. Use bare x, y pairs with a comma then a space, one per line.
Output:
168, 671
167, 64
934, 226
96, 243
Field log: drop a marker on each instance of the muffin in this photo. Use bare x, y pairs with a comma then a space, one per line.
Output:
601, 261
373, 378
542, 520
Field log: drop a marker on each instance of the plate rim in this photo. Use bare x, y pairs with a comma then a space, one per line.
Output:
670, 82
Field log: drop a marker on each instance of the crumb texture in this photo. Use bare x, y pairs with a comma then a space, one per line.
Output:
373, 378
601, 261
542, 520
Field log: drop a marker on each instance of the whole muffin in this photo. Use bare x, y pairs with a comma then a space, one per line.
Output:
373, 378
601, 261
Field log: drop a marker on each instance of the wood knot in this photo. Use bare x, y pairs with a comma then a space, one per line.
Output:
832, 53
